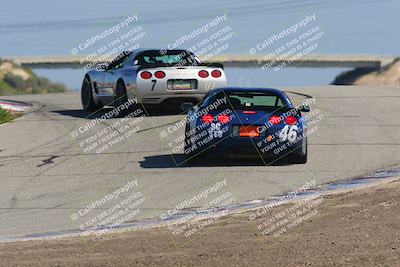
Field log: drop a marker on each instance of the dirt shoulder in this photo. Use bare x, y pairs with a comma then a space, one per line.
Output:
360, 228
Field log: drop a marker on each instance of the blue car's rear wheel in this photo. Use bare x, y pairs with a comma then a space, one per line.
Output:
192, 155
299, 155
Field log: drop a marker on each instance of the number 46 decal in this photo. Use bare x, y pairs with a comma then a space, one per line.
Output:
289, 133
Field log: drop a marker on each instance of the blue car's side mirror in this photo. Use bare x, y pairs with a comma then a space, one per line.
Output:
305, 109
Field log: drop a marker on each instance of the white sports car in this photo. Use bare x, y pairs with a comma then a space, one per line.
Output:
170, 78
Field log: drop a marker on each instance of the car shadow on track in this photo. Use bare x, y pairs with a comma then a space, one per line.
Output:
180, 161
83, 114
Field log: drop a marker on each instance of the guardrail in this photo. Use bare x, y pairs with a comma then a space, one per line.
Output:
317, 61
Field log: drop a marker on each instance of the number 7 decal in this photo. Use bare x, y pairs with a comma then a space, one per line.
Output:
154, 84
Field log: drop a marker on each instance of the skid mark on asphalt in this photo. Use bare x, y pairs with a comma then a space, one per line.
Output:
156, 127
47, 161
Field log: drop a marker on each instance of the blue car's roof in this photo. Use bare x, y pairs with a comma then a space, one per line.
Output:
254, 89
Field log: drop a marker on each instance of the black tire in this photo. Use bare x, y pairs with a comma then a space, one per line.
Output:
194, 156
298, 156
187, 146
87, 101
120, 94
121, 97
195, 159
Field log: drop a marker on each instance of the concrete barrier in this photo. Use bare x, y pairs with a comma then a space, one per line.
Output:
317, 61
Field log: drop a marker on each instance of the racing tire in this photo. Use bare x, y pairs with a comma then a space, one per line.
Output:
192, 157
120, 94
87, 100
121, 98
191, 154
298, 156
195, 158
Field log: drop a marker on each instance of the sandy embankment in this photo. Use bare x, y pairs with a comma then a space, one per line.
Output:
360, 228
386, 75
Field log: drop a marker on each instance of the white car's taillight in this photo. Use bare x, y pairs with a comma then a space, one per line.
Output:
159, 74
203, 74
145, 75
216, 73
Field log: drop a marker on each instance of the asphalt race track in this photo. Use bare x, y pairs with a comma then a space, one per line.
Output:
46, 178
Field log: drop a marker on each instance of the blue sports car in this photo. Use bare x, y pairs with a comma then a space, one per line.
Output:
256, 122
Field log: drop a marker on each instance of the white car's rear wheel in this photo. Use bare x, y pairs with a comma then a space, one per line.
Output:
87, 96
121, 97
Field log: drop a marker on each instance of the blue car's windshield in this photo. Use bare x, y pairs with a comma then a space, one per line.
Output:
259, 100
